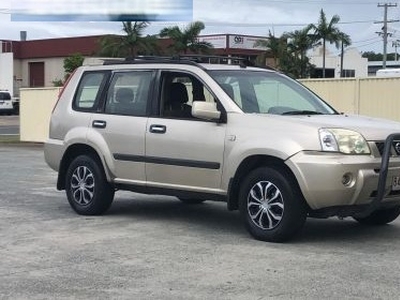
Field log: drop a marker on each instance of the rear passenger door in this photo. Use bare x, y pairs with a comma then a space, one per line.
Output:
122, 123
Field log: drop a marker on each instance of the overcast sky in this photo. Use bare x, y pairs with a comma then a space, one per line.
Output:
253, 17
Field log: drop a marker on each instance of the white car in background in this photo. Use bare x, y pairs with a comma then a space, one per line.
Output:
6, 103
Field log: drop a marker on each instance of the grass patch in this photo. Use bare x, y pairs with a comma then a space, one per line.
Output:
9, 139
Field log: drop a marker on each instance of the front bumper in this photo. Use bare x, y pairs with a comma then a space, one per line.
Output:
321, 178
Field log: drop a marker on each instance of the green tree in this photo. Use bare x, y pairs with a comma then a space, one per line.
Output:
70, 64
131, 44
326, 32
289, 51
299, 42
277, 48
372, 56
186, 39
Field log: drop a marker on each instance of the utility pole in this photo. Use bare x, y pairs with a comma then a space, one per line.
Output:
384, 32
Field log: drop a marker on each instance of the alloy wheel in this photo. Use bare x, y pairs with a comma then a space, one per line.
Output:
265, 205
82, 185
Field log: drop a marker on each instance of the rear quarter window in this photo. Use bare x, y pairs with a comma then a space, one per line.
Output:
89, 90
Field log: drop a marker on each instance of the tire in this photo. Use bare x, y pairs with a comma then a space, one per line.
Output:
380, 217
88, 191
191, 200
271, 205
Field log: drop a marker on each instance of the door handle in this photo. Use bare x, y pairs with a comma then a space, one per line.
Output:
158, 128
99, 124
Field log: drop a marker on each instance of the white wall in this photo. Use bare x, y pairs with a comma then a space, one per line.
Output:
35, 110
6, 71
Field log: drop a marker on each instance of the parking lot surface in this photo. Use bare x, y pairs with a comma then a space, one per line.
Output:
9, 125
155, 247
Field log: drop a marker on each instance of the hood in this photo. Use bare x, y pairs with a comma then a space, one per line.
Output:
373, 129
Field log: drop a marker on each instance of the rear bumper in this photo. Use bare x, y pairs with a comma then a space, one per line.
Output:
322, 179
53, 151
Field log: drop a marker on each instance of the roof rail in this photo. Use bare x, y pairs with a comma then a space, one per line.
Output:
191, 59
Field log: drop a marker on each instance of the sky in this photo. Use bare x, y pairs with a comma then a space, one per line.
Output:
252, 17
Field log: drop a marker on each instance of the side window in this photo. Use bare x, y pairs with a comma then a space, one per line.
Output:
128, 93
178, 92
88, 90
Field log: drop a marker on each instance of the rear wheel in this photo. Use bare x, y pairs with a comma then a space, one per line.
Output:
271, 205
380, 217
88, 191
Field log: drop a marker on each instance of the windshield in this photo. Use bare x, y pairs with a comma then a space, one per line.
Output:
269, 93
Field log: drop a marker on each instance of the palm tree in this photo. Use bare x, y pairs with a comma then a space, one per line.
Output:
345, 41
299, 42
187, 39
276, 47
327, 32
131, 44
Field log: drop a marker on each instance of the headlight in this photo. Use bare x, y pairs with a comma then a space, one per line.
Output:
343, 140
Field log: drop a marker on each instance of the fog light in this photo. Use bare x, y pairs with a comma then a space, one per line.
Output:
348, 179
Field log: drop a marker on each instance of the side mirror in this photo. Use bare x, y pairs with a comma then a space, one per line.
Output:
205, 110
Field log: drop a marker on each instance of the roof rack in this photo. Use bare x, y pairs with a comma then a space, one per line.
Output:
191, 59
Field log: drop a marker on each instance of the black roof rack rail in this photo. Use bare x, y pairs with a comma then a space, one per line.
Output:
151, 60
190, 59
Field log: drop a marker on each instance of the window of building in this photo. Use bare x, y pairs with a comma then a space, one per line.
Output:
348, 73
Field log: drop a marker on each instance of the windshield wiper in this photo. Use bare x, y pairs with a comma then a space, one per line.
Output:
302, 112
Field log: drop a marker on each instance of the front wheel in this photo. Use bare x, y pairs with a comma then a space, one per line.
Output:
271, 205
88, 191
380, 217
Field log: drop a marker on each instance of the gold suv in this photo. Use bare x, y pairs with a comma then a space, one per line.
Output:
249, 136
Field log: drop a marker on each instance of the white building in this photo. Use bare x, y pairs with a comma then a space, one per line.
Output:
354, 65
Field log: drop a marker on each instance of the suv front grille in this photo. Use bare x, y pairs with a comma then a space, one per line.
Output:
395, 147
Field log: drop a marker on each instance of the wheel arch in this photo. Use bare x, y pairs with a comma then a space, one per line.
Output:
246, 166
70, 154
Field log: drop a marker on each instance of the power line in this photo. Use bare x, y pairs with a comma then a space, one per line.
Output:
374, 39
342, 2
384, 33
279, 24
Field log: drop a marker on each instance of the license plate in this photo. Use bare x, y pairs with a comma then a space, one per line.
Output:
395, 183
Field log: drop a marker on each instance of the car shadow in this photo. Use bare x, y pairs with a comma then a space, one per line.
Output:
215, 216
206, 215
347, 230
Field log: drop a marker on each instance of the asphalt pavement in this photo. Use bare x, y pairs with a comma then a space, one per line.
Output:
155, 247
9, 125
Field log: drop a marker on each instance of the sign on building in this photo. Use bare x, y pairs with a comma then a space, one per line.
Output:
245, 42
